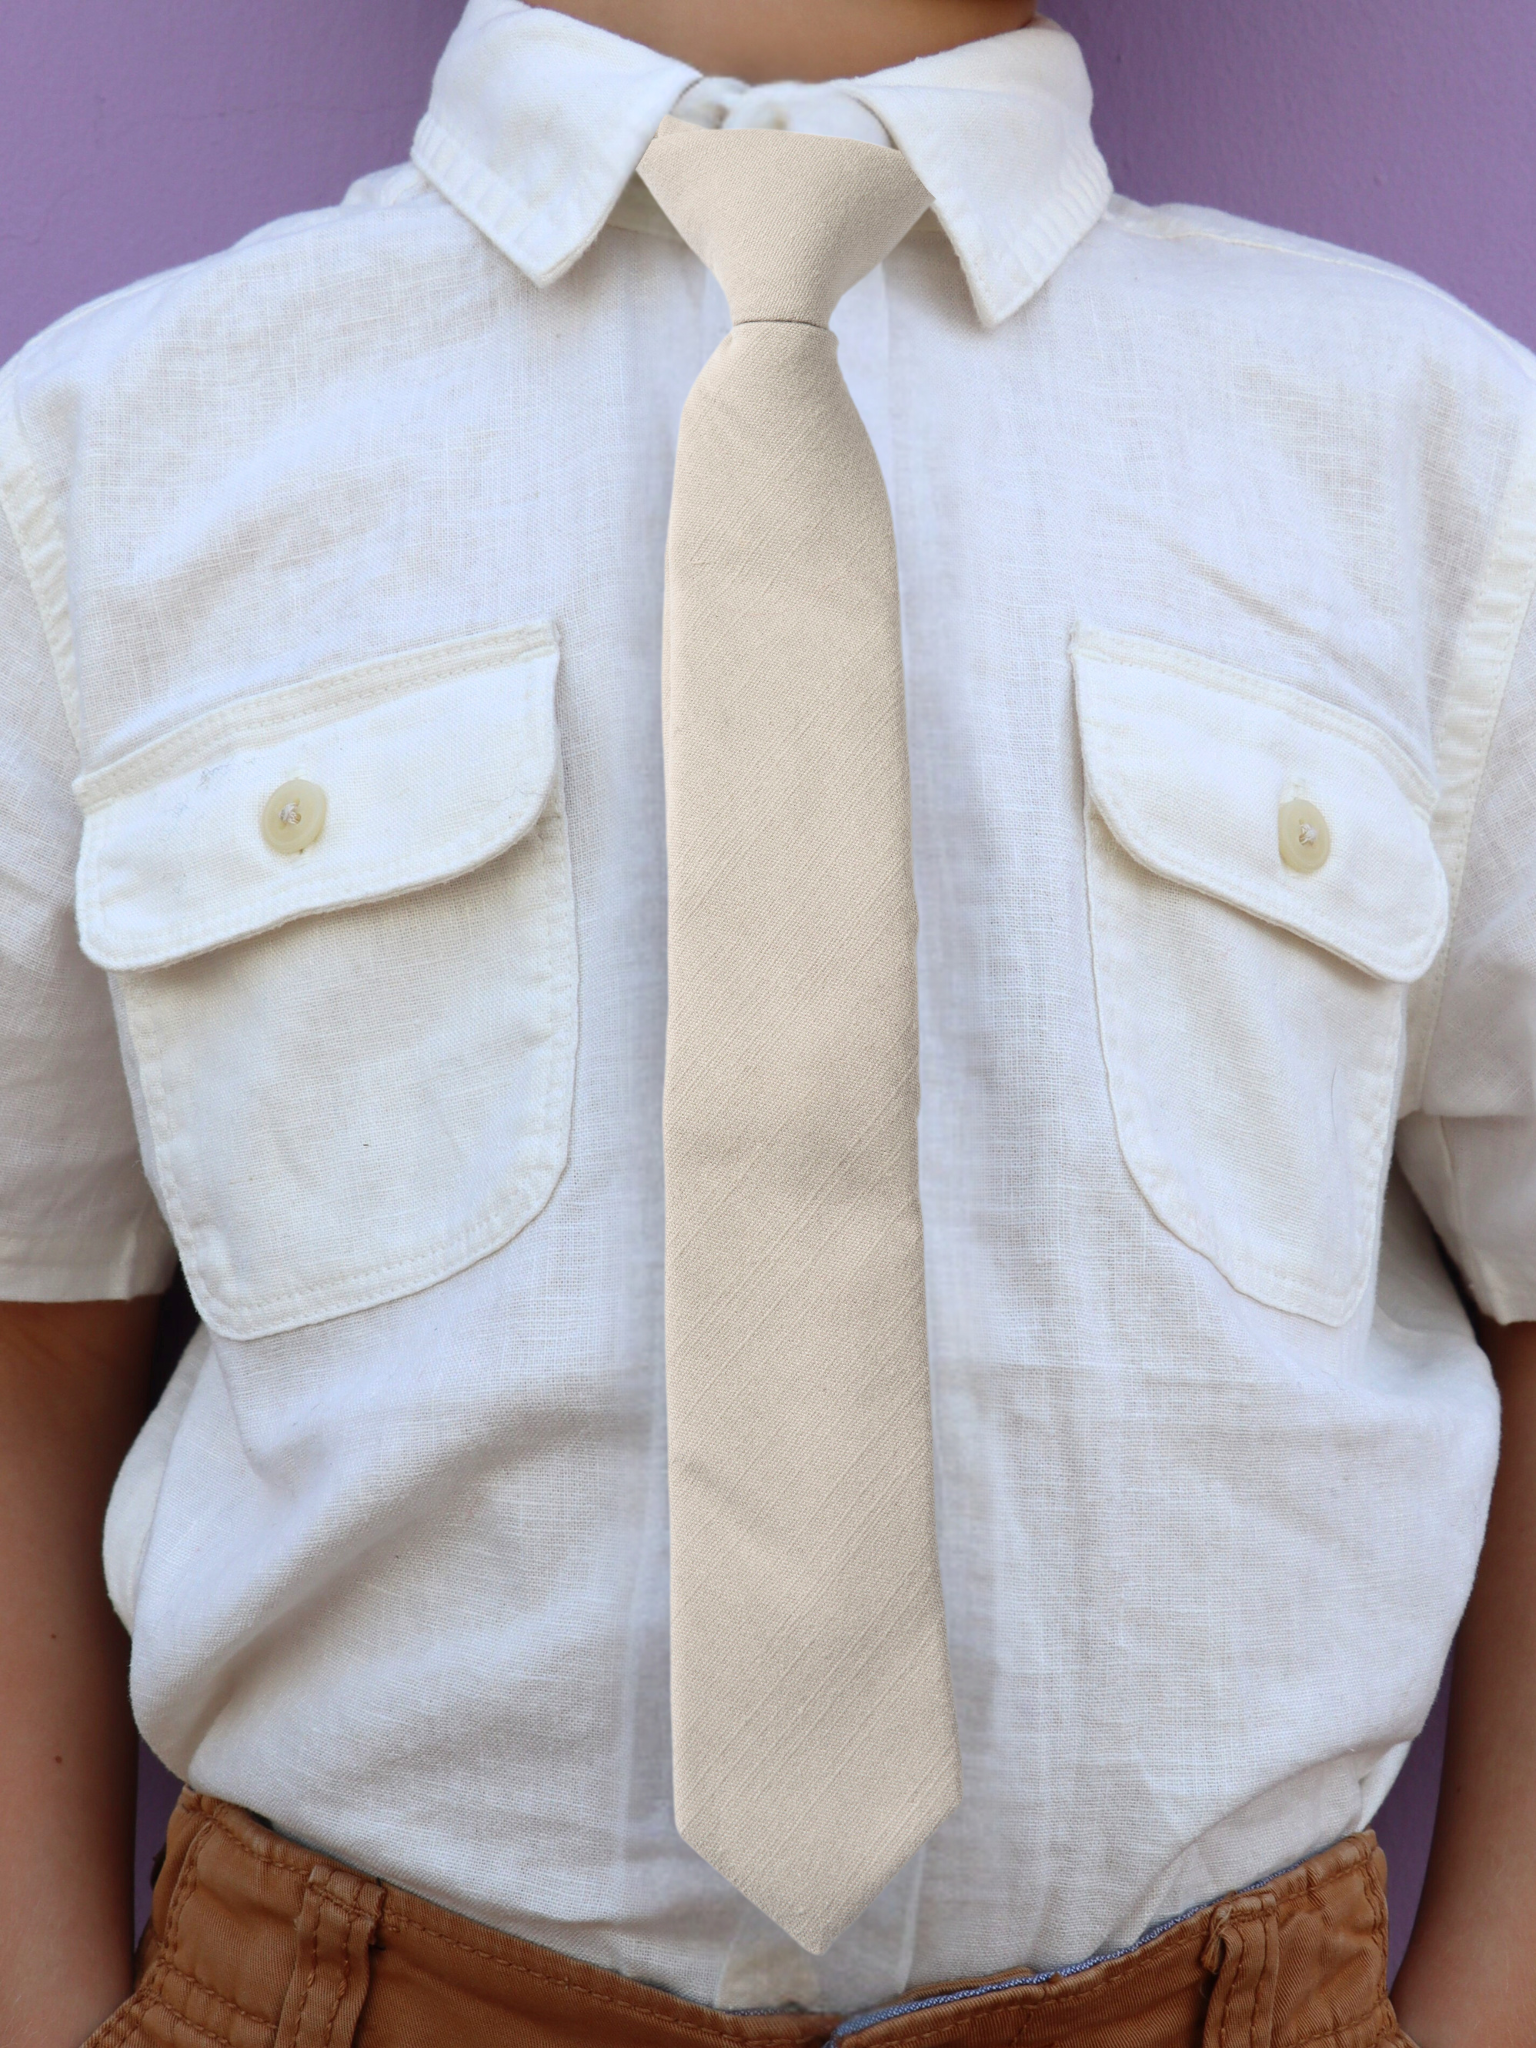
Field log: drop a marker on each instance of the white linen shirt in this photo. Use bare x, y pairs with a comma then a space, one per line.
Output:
1196, 521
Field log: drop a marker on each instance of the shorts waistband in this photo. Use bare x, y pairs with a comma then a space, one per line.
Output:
256, 1942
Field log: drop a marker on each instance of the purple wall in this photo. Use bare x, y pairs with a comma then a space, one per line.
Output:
1404, 127
136, 134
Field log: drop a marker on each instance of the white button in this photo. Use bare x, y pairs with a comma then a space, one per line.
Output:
293, 817
1305, 841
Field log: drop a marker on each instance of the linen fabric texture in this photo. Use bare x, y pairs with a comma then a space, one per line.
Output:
813, 1728
1186, 511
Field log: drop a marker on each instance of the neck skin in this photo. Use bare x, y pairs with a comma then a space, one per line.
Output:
763, 41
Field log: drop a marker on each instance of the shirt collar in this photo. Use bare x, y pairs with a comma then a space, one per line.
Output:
537, 121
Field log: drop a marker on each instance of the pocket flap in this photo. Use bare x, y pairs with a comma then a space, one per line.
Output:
432, 763
1189, 763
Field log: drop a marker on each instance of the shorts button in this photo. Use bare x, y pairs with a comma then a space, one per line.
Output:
293, 816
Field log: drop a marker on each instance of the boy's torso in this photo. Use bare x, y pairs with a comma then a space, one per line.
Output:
1201, 529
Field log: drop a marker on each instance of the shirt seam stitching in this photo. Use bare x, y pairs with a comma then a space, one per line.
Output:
1289, 699
310, 703
1338, 260
54, 619
1454, 838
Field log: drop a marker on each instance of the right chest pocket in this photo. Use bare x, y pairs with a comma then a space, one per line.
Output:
355, 1058
1252, 988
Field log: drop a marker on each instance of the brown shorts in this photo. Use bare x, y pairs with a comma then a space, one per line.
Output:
257, 1943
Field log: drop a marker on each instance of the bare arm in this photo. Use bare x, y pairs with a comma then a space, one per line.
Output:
1469, 1978
73, 1380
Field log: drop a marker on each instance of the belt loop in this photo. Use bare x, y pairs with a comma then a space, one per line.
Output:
336, 1927
1243, 1954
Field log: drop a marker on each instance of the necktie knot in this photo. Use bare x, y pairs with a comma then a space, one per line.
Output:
787, 222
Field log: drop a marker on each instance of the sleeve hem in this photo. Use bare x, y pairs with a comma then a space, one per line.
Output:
122, 1272
1503, 1298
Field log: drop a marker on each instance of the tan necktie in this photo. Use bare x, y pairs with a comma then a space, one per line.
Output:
813, 1733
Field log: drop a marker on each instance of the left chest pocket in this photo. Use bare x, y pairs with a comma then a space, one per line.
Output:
1262, 889
355, 1047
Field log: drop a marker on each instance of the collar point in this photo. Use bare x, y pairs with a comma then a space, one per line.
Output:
480, 196
999, 290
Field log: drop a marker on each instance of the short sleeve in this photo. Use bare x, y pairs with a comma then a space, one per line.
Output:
1470, 1153
77, 1219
